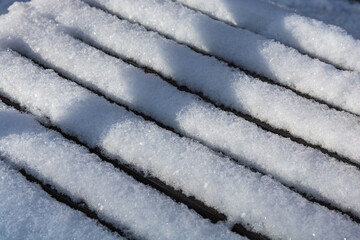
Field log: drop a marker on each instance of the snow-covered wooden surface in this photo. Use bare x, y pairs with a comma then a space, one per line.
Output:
160, 119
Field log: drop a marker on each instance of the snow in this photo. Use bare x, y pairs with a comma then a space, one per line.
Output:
179, 162
308, 35
345, 14
115, 196
150, 95
336, 131
251, 51
27, 212
4, 4
45, 30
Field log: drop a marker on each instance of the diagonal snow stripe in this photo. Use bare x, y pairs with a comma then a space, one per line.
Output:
147, 180
243, 48
222, 60
301, 51
351, 174
345, 14
80, 206
115, 196
263, 125
149, 69
335, 131
139, 176
313, 37
191, 202
26, 211
243, 196
82, 36
194, 118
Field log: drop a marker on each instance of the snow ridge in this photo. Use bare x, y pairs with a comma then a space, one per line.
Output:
27, 212
183, 164
112, 194
59, 35
194, 118
308, 35
282, 109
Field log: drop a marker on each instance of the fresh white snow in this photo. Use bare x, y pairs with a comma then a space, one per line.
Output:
342, 13
179, 162
115, 196
27, 212
251, 51
308, 35
46, 31
5, 4
321, 175
337, 131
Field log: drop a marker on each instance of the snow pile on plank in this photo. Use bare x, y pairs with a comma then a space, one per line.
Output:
269, 155
27, 211
345, 14
308, 35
